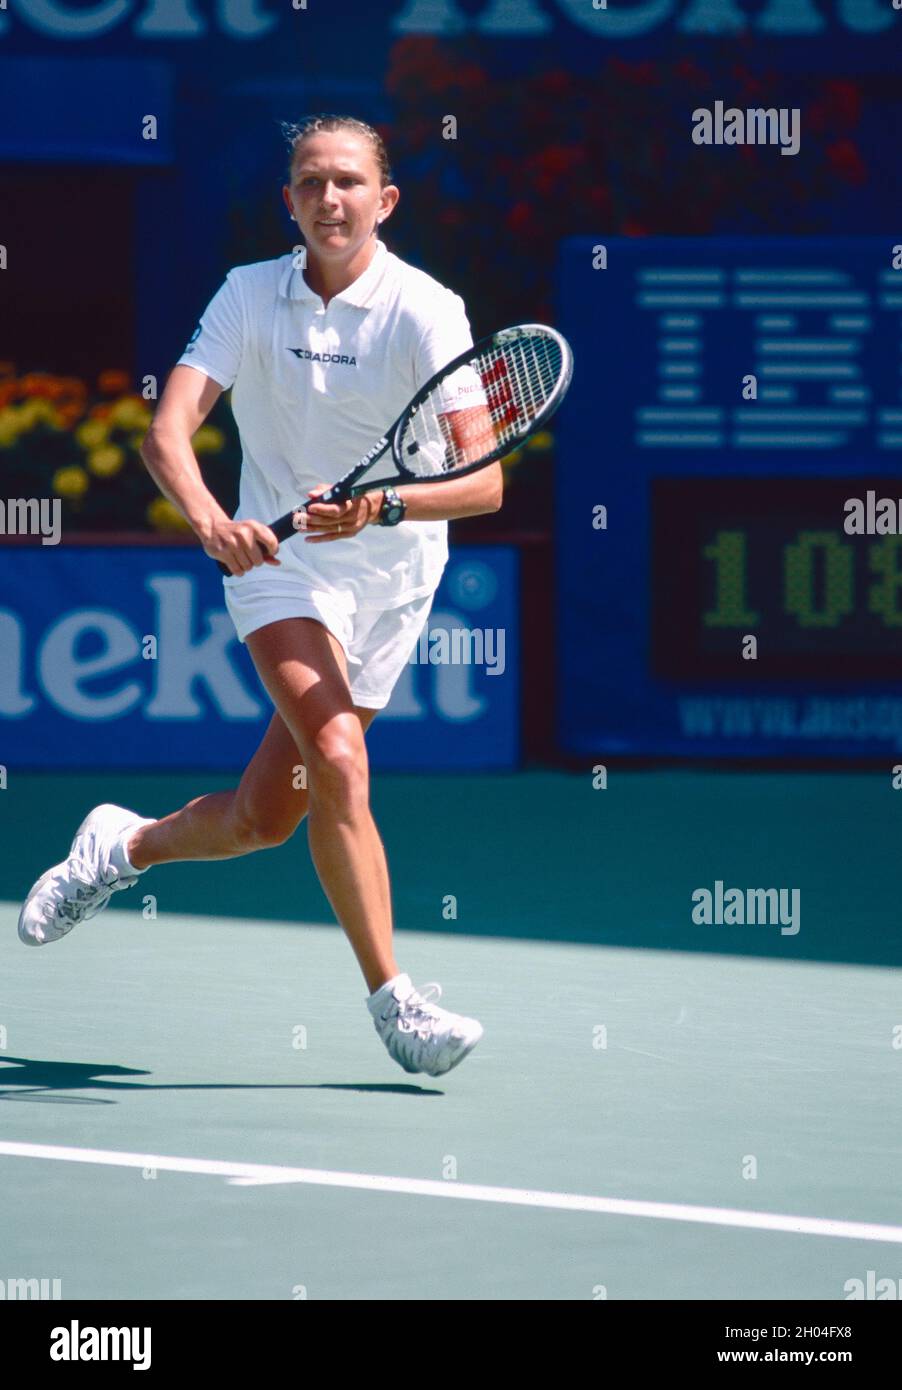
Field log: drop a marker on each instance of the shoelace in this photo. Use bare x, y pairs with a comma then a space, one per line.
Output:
67, 905
417, 1014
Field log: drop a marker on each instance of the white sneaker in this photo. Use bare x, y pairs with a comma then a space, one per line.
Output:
418, 1035
78, 888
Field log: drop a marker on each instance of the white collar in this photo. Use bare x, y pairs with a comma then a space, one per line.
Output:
360, 292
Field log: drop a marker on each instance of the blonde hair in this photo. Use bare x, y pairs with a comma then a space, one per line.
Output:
296, 133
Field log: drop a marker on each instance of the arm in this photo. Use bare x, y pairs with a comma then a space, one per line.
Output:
470, 496
470, 433
187, 400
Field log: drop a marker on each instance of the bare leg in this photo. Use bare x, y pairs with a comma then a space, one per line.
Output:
264, 810
303, 668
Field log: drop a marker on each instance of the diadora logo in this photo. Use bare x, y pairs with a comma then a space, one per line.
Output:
305, 355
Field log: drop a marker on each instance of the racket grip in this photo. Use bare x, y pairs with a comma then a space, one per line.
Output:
284, 527
281, 529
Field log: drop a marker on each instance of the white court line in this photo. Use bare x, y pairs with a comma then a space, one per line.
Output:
247, 1174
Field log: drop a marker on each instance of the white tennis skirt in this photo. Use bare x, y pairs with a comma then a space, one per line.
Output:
377, 642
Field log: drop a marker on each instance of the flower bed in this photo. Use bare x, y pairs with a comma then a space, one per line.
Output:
61, 437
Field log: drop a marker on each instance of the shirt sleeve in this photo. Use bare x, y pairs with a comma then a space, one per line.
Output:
443, 338
217, 343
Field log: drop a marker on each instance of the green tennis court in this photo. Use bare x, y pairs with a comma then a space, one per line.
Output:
196, 1104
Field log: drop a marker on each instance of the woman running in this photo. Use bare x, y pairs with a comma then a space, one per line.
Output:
322, 348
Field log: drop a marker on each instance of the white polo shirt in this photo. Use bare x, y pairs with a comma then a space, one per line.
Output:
313, 388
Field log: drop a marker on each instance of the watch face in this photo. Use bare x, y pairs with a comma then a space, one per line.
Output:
392, 508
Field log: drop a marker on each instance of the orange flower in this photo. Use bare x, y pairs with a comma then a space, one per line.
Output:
69, 413
73, 386
113, 382
37, 384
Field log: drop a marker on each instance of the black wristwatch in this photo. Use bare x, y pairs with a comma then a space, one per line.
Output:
392, 509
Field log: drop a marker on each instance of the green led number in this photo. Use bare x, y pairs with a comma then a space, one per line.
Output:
839, 579
885, 559
730, 607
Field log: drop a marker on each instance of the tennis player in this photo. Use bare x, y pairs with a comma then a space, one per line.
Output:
322, 348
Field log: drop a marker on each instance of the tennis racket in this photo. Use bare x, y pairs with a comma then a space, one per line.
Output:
475, 410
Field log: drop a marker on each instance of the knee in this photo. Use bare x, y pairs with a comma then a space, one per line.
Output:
272, 834
262, 828
338, 767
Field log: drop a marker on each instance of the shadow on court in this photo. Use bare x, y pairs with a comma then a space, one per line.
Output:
85, 1076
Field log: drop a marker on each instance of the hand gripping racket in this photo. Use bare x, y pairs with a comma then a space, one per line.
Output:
475, 410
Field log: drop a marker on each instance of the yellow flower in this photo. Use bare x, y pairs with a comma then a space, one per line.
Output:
513, 457
543, 440
91, 434
130, 414
163, 516
70, 482
9, 427
136, 440
31, 412
106, 461
38, 411
208, 440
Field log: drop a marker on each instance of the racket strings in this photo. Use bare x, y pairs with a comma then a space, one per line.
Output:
484, 407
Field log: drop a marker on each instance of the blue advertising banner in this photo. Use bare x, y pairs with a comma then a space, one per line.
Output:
92, 110
197, 27
126, 657
732, 400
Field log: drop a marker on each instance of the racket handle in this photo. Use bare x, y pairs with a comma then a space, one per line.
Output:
281, 529
285, 527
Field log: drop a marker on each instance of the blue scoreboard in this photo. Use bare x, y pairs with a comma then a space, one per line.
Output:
731, 401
